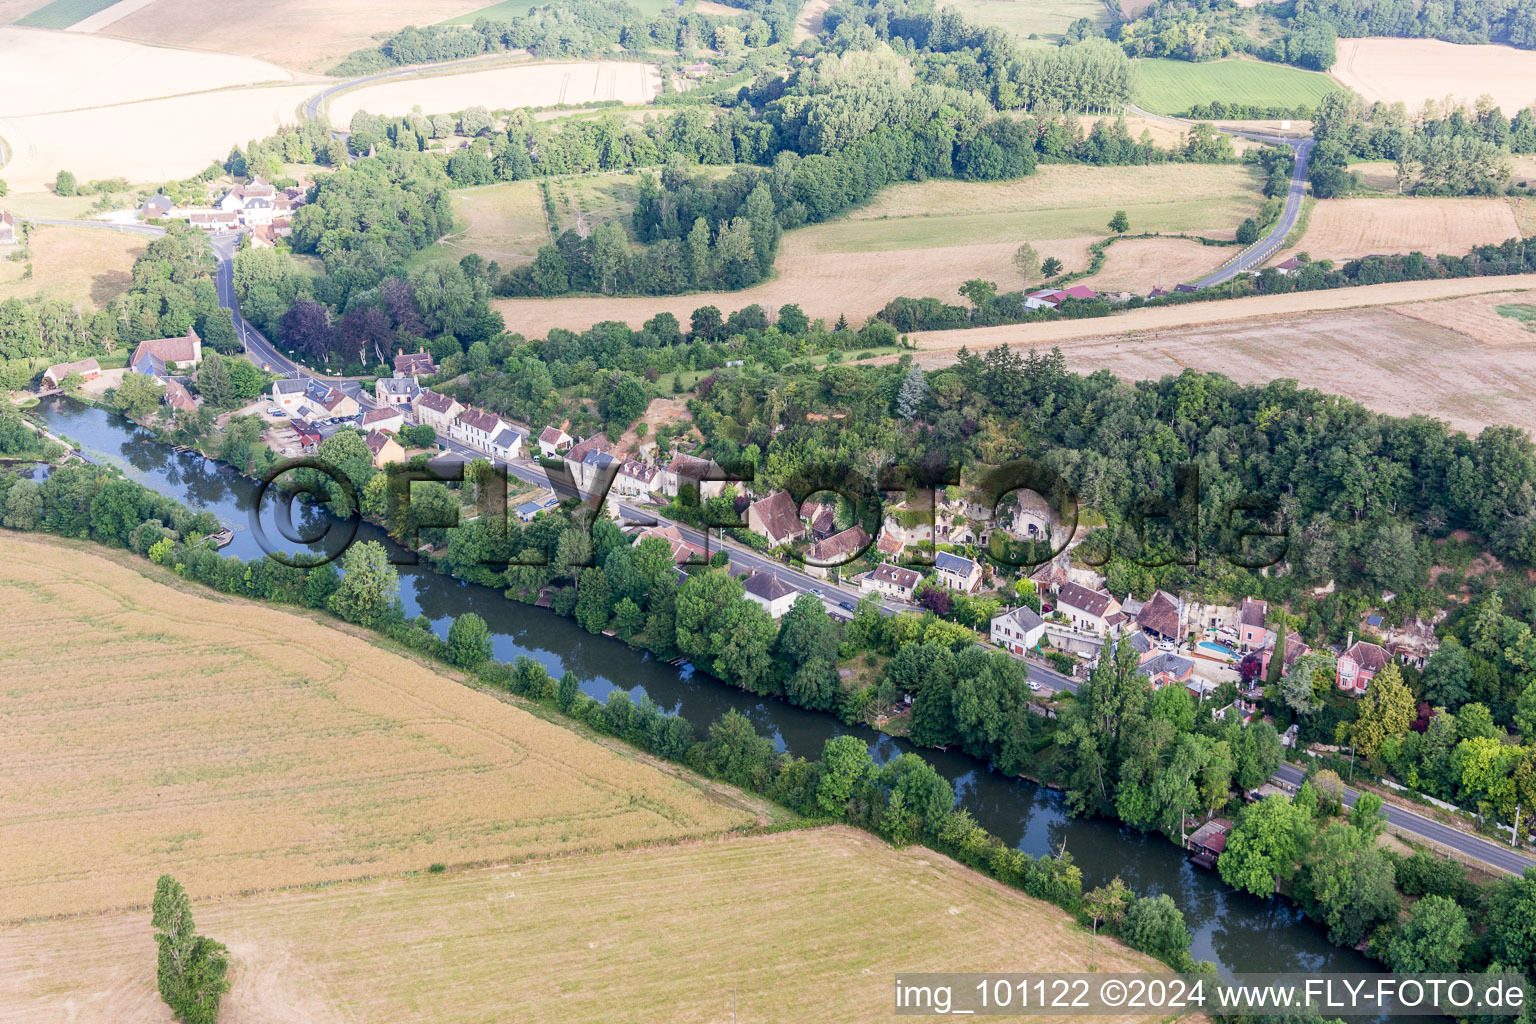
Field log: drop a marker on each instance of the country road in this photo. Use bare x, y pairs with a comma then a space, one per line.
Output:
314, 107
1497, 855
1261, 251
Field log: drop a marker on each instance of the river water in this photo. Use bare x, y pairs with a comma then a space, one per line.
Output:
1240, 933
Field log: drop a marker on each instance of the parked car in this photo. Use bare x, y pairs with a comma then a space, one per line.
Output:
1033, 685
847, 606
1167, 645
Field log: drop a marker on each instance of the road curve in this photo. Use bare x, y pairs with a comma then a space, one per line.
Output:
1497, 855
314, 107
1261, 251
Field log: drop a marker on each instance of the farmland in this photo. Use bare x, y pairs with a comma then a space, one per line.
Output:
529, 85
1347, 228
1438, 348
267, 750
63, 13
1047, 19
88, 266
504, 223
513, 8
1173, 86
1415, 70
1139, 264
632, 936
314, 35
926, 238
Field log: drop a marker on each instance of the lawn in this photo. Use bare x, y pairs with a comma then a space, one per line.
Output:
805, 926
1058, 202
509, 9
1047, 19
152, 726
1173, 86
504, 223
86, 266
63, 13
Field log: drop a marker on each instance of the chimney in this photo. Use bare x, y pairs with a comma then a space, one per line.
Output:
1351, 641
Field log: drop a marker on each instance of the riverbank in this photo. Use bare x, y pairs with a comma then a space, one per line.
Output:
1237, 932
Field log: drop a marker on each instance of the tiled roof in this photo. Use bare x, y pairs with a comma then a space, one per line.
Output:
1252, 612
1024, 617
838, 546
1094, 602
436, 401
780, 519
1369, 656
895, 574
480, 419
1160, 615
768, 587
595, 443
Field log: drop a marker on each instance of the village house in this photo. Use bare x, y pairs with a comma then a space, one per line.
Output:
436, 410
773, 594
636, 479
589, 462
553, 441
476, 427
697, 71
288, 393
892, 581
7, 228
909, 522
386, 450
1289, 266
414, 364
1241, 711
1085, 609
821, 517
1018, 630
682, 550
706, 478
156, 207
400, 392
1252, 634
529, 510
88, 369
775, 519
1164, 668
306, 436
1359, 664
213, 220
333, 403
836, 551
177, 396
1161, 616
955, 572
1294, 648
162, 357
508, 444
383, 418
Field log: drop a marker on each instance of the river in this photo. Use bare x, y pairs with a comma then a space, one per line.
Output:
1238, 932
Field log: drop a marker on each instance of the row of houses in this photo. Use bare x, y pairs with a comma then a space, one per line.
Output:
264, 211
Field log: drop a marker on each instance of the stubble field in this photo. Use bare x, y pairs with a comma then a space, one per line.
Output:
502, 88
1415, 70
808, 926
89, 266
1436, 348
307, 35
1347, 228
244, 748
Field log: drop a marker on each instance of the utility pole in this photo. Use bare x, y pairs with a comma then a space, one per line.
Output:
1514, 837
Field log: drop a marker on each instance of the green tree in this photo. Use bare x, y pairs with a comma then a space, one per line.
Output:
469, 641
1155, 925
369, 584
192, 967
1265, 845
1026, 261
138, 396
1119, 223
1051, 267
1525, 715
845, 764
64, 184
1434, 941
1386, 710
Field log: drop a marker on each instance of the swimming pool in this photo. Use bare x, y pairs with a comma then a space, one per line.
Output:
1221, 649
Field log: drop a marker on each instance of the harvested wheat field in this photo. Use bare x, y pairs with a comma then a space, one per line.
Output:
1140, 264
1373, 344
824, 284
1346, 228
154, 140
523, 85
43, 72
10, 10
808, 21
1415, 70
309, 35
1478, 316
88, 266
240, 747
797, 925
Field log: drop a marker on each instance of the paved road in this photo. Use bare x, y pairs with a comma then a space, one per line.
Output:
314, 107
106, 225
1498, 855
1259, 252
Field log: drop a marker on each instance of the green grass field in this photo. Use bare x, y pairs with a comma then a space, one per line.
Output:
508, 9
1173, 86
64, 13
1047, 19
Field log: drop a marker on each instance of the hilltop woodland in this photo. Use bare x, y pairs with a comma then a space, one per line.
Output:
1306, 32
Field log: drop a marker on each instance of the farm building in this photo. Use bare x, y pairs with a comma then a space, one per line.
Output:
88, 369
